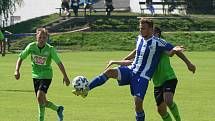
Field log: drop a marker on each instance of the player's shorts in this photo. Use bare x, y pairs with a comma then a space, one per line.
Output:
138, 85
168, 86
41, 84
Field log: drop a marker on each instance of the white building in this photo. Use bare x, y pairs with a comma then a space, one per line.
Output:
36, 8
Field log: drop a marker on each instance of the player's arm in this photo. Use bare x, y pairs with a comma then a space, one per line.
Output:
190, 66
18, 65
22, 56
175, 50
63, 71
121, 63
60, 65
131, 55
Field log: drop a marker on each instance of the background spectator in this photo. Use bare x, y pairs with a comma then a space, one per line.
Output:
109, 7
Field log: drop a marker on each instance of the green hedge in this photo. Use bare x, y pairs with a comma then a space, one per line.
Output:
122, 41
177, 24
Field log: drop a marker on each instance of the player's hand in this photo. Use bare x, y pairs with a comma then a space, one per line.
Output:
66, 80
179, 48
109, 64
191, 67
17, 75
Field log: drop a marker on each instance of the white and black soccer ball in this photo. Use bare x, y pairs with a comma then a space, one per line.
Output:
80, 83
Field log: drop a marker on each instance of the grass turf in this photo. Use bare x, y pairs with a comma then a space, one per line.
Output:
194, 93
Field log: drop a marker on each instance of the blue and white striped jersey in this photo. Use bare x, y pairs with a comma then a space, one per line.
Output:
147, 55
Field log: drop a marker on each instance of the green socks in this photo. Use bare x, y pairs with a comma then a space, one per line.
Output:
41, 112
52, 106
167, 117
42, 109
174, 110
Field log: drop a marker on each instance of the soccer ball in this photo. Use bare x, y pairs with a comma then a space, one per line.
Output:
80, 83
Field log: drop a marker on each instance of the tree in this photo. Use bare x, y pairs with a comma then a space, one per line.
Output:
200, 6
8, 7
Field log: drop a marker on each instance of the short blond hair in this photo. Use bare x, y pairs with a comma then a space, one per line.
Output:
147, 21
42, 31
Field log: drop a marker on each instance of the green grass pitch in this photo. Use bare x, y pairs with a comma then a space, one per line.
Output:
194, 94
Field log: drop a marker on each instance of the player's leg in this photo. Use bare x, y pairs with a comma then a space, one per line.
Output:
162, 110
59, 109
138, 90
101, 79
3, 47
169, 91
41, 88
161, 105
122, 74
41, 103
140, 114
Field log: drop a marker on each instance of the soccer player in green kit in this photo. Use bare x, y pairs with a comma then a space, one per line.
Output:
41, 56
165, 81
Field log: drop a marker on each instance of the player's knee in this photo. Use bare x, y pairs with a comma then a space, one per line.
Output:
111, 73
168, 102
40, 97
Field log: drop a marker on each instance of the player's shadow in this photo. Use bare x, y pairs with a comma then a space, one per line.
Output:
16, 90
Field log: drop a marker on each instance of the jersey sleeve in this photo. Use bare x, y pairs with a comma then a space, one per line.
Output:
55, 56
165, 45
24, 54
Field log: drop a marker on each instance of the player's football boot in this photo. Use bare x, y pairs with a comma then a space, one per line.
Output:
84, 93
76, 92
60, 113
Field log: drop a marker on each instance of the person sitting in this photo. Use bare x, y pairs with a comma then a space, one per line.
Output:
65, 6
88, 4
109, 7
75, 6
150, 6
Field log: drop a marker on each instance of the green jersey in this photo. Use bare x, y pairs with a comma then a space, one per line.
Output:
41, 60
1, 36
164, 71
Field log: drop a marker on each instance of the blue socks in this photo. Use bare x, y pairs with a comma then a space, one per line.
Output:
140, 116
97, 81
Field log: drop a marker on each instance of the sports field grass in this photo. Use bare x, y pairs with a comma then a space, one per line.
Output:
194, 95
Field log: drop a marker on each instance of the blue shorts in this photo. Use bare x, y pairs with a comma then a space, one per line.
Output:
138, 85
